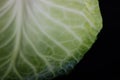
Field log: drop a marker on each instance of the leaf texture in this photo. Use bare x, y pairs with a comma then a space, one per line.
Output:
40, 39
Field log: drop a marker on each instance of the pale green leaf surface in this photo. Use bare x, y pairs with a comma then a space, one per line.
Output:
41, 39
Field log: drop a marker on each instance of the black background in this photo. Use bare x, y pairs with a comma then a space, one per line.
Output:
102, 61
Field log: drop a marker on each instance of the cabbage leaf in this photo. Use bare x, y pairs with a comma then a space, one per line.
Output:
41, 39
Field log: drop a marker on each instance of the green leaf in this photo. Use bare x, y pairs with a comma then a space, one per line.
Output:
42, 39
